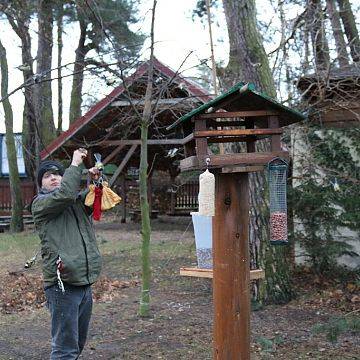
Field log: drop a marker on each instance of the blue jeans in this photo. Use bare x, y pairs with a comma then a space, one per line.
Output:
70, 317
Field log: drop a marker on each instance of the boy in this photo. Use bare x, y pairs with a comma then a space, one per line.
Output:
71, 259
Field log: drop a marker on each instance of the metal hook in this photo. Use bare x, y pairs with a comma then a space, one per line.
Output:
207, 160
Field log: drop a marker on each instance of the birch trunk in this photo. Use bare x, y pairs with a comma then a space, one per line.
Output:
16, 224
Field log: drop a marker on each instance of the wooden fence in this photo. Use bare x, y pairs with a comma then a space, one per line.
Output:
27, 191
183, 201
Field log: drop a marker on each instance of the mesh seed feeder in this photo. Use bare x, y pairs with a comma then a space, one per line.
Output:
277, 174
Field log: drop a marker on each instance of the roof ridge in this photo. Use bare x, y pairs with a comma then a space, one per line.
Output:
195, 89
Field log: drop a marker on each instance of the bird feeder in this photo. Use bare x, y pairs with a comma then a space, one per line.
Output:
240, 115
277, 175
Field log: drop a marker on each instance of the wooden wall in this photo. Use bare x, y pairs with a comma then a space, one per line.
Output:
28, 190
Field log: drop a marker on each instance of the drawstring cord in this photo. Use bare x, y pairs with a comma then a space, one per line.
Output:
59, 268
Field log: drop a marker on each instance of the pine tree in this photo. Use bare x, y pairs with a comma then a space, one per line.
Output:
326, 199
104, 28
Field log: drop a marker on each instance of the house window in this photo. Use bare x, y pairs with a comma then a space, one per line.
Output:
19, 156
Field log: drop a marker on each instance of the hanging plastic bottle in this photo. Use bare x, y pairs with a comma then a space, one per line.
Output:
202, 220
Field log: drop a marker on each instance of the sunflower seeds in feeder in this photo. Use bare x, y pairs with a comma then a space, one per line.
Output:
278, 226
203, 240
277, 171
204, 258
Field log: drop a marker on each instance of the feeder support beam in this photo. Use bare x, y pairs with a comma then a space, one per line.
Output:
113, 154
123, 164
231, 272
273, 123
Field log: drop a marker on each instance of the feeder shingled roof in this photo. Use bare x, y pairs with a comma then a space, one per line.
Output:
248, 99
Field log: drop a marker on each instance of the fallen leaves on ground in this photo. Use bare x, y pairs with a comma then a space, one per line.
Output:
329, 292
20, 291
106, 289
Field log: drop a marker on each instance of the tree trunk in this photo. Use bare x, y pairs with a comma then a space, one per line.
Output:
144, 307
213, 63
30, 133
145, 217
315, 23
16, 224
342, 54
43, 91
352, 34
248, 62
59, 22
305, 63
78, 77
20, 21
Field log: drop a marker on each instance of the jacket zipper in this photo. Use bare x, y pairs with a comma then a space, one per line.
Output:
84, 245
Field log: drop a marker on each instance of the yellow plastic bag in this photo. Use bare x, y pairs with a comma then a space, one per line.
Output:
90, 197
108, 199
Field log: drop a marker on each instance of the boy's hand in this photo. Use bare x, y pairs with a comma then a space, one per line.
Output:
78, 156
94, 173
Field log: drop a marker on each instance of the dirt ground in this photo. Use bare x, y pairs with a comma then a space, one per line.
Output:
180, 325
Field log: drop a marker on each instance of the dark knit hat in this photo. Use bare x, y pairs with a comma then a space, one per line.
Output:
48, 165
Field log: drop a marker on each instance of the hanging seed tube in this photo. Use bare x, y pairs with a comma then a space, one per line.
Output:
277, 171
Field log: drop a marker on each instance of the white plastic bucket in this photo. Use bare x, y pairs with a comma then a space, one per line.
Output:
203, 240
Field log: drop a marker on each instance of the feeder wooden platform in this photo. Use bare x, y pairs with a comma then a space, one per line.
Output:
208, 273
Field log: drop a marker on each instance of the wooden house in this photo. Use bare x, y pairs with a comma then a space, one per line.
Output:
333, 99
111, 127
333, 96
27, 185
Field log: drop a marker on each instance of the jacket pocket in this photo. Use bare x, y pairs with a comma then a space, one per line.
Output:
49, 264
73, 268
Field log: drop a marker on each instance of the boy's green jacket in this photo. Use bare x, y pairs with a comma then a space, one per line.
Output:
66, 231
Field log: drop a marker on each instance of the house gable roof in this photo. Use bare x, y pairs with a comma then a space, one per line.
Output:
193, 89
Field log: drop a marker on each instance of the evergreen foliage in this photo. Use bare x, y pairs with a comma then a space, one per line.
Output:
327, 198
110, 26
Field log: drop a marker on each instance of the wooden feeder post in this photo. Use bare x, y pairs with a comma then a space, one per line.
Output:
231, 269
239, 115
